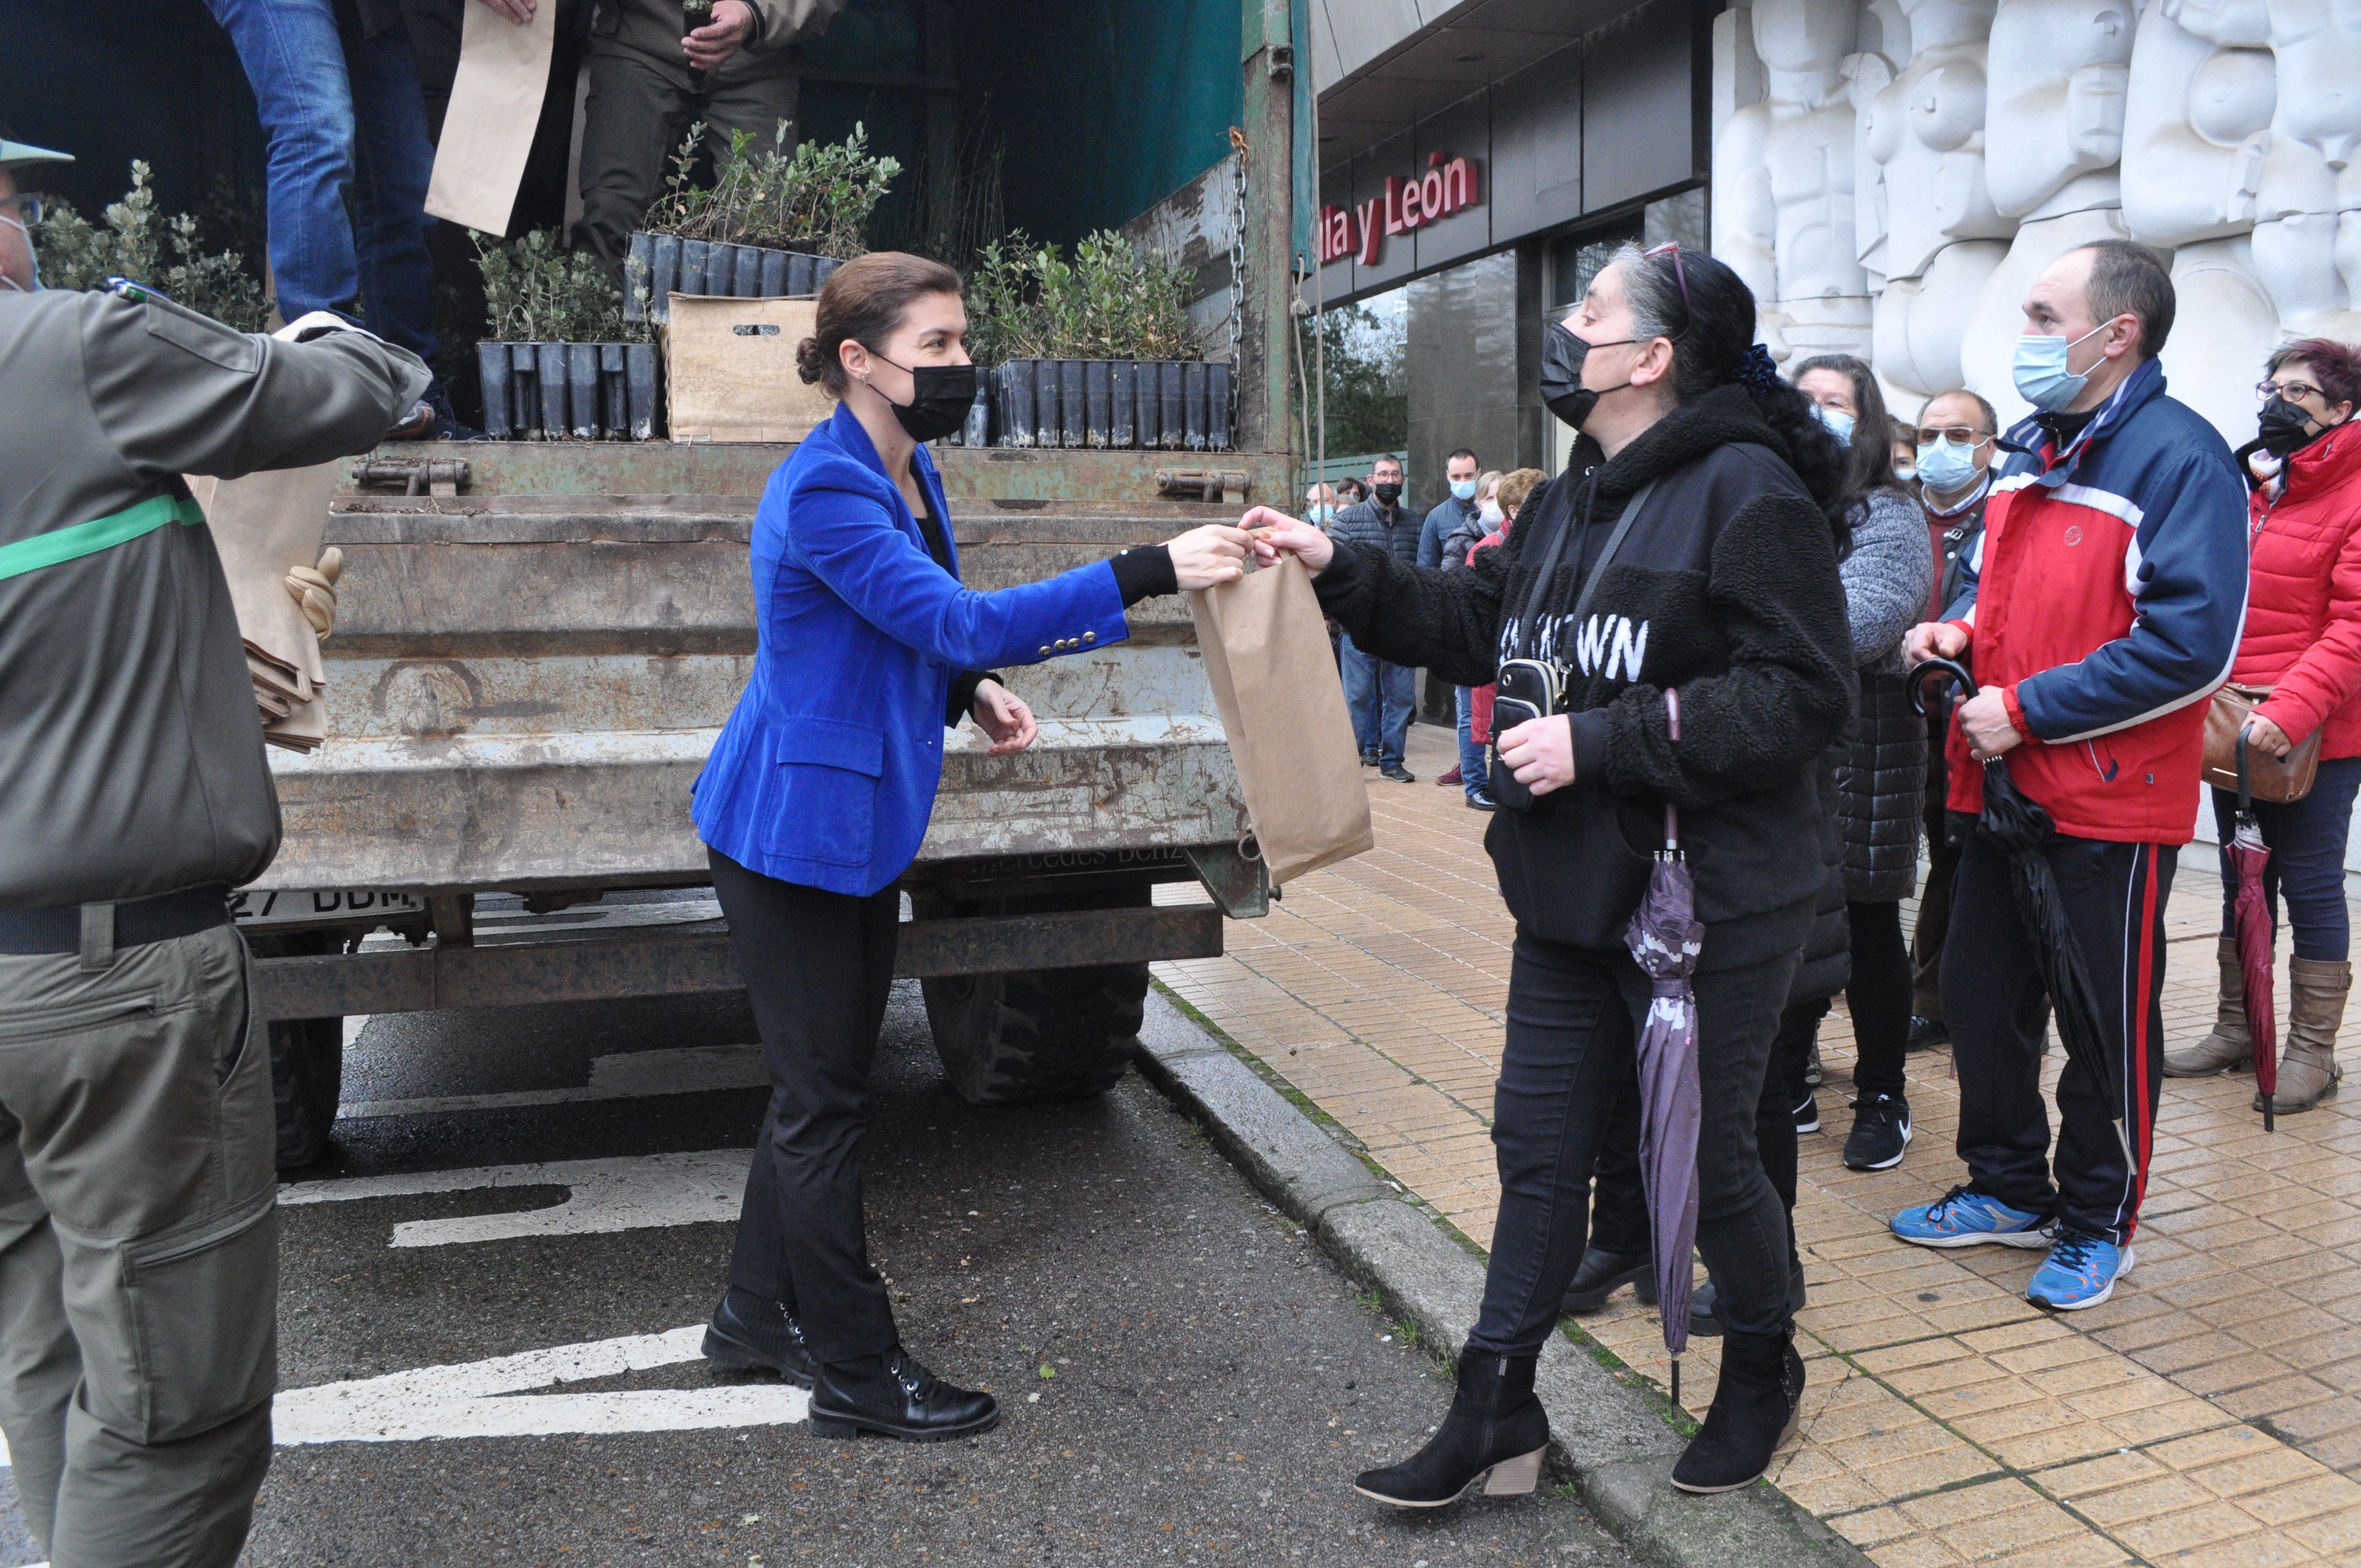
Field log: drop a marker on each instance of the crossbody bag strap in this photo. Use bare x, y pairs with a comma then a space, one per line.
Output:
1614, 542
1529, 628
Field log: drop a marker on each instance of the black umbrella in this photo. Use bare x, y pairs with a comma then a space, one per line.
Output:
2020, 827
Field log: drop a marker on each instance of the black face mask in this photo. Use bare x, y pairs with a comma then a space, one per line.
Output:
1387, 494
941, 397
1562, 357
2282, 424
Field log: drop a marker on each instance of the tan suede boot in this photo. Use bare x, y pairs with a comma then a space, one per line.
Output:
2307, 1069
2229, 1049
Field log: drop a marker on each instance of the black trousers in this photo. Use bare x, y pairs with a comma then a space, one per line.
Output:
1878, 996
1574, 1018
818, 967
1998, 1011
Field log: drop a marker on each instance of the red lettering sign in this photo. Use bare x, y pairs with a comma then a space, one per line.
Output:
1409, 203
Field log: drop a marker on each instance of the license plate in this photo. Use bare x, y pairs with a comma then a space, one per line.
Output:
323, 906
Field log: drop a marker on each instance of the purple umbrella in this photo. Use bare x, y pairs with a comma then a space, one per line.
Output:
1665, 936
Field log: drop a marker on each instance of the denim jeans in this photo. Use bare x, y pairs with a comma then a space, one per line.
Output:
1574, 1016
1380, 697
341, 115
1474, 767
2307, 863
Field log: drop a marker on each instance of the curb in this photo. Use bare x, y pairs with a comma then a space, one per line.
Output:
1612, 1438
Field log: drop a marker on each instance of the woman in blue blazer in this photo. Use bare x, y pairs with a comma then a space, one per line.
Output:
818, 791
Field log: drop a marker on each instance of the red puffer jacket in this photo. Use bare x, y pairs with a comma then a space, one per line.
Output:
2304, 606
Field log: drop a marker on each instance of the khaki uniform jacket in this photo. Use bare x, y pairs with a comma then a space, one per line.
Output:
654, 29
131, 759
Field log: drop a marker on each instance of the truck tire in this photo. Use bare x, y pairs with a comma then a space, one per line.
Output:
307, 1075
1063, 1034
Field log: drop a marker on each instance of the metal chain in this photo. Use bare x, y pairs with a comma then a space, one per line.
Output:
1238, 280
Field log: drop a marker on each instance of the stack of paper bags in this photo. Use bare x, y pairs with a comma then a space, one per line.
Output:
265, 526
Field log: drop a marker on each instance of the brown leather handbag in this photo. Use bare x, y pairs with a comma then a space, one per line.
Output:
2281, 780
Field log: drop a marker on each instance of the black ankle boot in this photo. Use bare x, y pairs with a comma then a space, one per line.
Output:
1495, 1435
1702, 1324
1601, 1273
893, 1395
748, 1332
1753, 1414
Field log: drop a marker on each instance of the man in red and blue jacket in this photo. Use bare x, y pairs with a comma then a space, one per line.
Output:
2103, 607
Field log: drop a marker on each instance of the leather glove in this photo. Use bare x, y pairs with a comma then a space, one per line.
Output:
313, 589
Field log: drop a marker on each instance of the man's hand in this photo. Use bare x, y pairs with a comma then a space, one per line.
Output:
1279, 531
2262, 735
313, 589
1933, 639
719, 39
517, 11
1983, 720
1002, 715
1540, 752
1207, 557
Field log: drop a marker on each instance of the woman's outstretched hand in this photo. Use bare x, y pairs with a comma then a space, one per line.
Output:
1276, 532
1002, 715
1208, 556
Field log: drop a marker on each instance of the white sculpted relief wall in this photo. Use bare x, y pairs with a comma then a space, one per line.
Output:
1889, 175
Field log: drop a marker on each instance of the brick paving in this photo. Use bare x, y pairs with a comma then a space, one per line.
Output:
2210, 1413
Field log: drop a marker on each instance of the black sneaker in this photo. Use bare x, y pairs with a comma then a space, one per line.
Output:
1881, 1132
1813, 1075
1369, 759
1926, 1034
1807, 1113
1399, 774
1481, 800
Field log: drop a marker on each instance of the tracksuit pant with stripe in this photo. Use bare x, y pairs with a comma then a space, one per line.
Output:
1999, 1011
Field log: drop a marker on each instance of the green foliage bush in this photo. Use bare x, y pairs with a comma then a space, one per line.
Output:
139, 243
1369, 399
536, 293
817, 199
1112, 300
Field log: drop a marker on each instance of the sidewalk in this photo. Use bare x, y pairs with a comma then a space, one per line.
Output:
2211, 1412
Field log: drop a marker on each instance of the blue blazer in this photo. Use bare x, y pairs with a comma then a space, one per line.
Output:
827, 771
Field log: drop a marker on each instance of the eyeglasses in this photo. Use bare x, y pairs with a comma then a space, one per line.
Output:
1680, 276
1965, 435
28, 207
2293, 392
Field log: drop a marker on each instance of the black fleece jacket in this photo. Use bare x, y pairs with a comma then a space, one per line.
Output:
1727, 588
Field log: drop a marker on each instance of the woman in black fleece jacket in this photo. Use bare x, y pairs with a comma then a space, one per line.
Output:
1725, 587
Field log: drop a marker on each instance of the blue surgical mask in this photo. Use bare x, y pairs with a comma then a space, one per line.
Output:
2040, 372
1839, 423
1463, 489
1320, 515
1945, 468
31, 251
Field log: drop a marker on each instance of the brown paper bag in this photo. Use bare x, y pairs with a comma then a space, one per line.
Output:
729, 369
1282, 706
262, 525
495, 108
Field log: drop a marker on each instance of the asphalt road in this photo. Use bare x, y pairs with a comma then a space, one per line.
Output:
483, 1365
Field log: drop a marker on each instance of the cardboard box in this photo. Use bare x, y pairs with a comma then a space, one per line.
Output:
729, 369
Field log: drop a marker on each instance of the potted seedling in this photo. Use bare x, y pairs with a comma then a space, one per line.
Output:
1093, 352
561, 361
138, 242
773, 224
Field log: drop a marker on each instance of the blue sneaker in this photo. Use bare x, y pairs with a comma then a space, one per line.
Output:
2080, 1271
1964, 1217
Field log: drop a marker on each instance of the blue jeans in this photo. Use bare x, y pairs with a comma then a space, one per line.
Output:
2307, 862
342, 114
1474, 766
1380, 697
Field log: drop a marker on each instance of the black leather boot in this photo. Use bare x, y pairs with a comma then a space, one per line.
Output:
893, 1395
1601, 1273
1753, 1414
1495, 1436
749, 1332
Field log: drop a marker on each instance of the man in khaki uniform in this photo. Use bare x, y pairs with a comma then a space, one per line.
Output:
652, 75
138, 1241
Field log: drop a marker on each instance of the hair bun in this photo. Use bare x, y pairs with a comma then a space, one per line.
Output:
810, 363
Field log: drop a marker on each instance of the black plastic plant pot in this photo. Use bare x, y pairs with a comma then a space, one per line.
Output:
579, 392
1126, 405
662, 265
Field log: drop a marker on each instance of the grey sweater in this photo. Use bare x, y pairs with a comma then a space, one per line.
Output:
1888, 574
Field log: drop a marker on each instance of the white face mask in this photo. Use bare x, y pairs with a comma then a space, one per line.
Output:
1489, 513
31, 254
